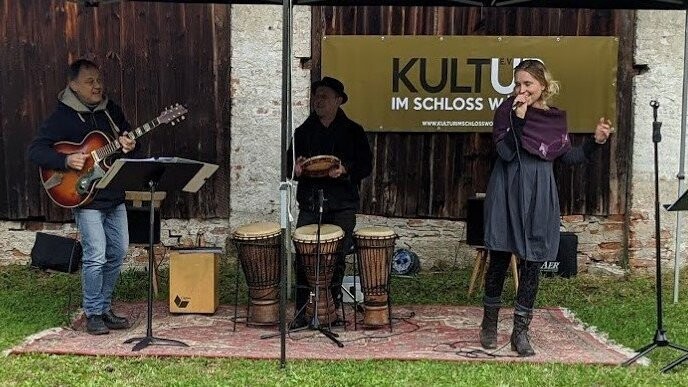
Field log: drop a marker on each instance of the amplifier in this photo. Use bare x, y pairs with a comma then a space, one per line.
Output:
566, 264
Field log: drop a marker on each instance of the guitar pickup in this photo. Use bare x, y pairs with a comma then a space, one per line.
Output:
53, 181
94, 156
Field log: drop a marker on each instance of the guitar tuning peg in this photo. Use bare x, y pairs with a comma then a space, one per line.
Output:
177, 104
173, 123
183, 117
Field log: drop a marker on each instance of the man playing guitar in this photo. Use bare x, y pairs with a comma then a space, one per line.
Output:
102, 220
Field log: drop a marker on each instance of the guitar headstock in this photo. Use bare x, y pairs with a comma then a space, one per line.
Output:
173, 114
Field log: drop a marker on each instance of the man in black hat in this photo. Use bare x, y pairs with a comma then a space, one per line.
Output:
328, 131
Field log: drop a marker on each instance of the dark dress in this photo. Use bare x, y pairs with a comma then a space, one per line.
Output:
522, 204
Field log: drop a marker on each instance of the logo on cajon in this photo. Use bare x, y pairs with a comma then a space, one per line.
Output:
181, 302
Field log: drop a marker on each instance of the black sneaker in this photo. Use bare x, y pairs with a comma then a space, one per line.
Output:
96, 326
113, 321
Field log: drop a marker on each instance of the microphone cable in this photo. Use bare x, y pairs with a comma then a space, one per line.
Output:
521, 182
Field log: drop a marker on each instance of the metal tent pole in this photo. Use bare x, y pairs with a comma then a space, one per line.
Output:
284, 187
681, 164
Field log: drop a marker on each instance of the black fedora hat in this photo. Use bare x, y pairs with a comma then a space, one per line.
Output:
332, 83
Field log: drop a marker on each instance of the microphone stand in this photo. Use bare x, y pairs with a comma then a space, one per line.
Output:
314, 324
660, 339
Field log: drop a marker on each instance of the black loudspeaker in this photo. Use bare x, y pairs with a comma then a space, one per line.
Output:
474, 222
54, 252
139, 223
566, 264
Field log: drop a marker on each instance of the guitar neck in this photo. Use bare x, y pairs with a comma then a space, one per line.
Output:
114, 146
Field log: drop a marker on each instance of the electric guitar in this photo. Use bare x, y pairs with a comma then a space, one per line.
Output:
71, 188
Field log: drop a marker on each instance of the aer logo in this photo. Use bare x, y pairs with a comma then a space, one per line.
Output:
181, 302
552, 266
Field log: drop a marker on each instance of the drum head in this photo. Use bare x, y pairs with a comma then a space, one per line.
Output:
405, 262
375, 232
309, 233
319, 166
257, 230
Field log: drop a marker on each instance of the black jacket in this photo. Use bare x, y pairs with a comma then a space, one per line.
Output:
344, 139
72, 121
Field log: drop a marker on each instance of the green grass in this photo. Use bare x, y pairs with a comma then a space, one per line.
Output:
624, 308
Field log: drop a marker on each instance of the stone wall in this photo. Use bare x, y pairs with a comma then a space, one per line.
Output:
442, 243
255, 154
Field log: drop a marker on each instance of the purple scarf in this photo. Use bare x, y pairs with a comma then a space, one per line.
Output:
545, 133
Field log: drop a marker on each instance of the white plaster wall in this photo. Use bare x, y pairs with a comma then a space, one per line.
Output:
256, 106
660, 46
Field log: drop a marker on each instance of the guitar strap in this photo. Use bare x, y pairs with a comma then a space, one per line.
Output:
115, 129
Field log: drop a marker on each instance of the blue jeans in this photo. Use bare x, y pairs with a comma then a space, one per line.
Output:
105, 241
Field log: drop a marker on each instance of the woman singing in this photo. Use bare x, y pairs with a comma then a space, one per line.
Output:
522, 205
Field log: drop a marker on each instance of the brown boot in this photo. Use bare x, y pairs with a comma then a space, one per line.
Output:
488, 333
519, 337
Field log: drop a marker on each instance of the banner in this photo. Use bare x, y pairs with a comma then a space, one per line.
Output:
455, 83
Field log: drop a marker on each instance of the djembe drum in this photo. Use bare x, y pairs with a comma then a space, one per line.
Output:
319, 274
375, 247
258, 248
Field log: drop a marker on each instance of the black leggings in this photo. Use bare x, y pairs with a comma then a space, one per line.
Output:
528, 281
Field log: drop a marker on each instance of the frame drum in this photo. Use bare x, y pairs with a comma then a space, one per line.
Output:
319, 166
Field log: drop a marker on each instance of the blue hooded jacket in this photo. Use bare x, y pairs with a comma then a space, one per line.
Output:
72, 121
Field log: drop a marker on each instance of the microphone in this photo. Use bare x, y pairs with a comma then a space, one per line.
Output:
321, 199
516, 105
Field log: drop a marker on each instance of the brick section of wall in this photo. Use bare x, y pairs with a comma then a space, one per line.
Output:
442, 243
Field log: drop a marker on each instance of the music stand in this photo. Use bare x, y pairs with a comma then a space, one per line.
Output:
681, 204
163, 174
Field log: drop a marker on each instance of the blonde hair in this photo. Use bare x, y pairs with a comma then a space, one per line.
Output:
537, 70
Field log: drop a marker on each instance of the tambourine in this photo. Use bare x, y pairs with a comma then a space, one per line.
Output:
319, 166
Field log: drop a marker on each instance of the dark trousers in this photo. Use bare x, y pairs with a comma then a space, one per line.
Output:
346, 219
528, 281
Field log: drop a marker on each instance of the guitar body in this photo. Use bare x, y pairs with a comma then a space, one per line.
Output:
71, 188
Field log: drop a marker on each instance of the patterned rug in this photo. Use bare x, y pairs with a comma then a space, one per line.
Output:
419, 332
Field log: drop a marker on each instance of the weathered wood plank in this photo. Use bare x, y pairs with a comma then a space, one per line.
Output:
152, 54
